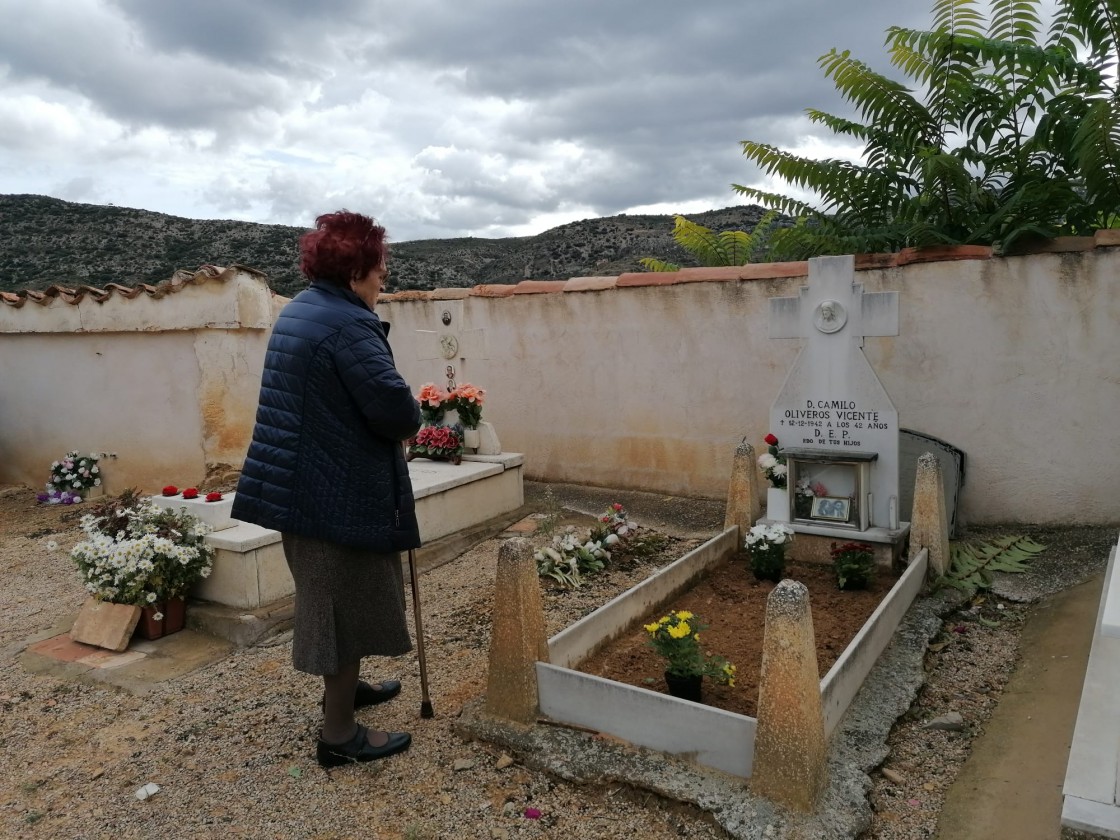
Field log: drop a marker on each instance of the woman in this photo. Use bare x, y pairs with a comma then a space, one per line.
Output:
326, 469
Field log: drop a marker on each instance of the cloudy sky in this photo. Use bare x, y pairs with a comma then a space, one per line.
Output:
440, 117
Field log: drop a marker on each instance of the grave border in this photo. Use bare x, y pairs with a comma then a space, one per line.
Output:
710, 737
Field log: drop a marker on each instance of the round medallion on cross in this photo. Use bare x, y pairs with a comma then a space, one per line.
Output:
449, 344
829, 316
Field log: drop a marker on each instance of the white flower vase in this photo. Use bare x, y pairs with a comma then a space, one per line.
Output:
488, 443
777, 504
471, 438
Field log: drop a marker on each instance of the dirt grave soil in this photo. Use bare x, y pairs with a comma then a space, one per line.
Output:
733, 605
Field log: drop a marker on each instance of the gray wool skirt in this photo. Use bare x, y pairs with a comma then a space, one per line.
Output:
349, 604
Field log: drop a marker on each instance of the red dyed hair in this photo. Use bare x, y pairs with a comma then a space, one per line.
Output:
344, 246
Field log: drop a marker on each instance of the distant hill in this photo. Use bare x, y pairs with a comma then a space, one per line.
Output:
45, 241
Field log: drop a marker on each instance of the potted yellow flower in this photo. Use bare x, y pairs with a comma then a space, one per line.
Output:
676, 637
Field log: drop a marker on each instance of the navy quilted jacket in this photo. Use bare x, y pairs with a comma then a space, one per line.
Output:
326, 460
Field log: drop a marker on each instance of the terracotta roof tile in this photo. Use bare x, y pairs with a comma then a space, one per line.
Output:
74, 296
866, 262
590, 284
537, 287
493, 290
710, 274
456, 293
943, 253
647, 278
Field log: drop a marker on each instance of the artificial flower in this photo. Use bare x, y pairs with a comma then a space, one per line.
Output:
213, 497
170, 490
432, 396
190, 493
771, 460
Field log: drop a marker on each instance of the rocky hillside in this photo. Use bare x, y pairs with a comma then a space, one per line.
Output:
45, 241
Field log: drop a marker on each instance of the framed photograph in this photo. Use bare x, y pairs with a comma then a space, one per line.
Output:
832, 508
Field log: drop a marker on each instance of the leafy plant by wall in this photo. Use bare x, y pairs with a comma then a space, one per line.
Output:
1015, 135
712, 248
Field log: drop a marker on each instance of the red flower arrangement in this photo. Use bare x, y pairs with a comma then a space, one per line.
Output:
190, 493
213, 497
170, 490
437, 442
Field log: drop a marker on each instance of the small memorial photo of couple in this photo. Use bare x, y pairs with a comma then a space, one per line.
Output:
833, 508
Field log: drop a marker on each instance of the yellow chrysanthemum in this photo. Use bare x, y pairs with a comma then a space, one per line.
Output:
652, 628
680, 631
663, 620
684, 615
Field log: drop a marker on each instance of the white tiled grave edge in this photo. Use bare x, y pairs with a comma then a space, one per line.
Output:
250, 570
708, 736
1091, 793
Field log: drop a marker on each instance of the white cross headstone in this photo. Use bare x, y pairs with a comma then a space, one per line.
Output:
450, 344
832, 400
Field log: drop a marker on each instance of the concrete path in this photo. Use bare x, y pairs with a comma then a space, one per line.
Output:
1011, 785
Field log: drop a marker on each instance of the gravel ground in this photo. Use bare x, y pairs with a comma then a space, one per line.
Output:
967, 667
231, 745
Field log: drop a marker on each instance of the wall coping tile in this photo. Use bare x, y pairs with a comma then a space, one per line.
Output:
538, 287
590, 284
493, 290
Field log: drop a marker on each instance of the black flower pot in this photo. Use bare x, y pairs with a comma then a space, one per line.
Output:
768, 565
685, 687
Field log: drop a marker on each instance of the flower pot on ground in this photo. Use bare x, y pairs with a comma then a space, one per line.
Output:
766, 545
75, 475
687, 687
174, 615
676, 637
136, 552
854, 564
150, 625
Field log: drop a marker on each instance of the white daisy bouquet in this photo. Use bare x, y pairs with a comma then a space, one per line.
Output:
136, 552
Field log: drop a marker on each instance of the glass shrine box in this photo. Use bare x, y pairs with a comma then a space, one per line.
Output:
830, 488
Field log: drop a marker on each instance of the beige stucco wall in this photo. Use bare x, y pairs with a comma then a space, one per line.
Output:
1014, 360
169, 384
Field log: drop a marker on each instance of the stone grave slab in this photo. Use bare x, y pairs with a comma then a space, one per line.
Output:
912, 446
104, 625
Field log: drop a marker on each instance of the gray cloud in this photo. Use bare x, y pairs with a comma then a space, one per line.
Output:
449, 118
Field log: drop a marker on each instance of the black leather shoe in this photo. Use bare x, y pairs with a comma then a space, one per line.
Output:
370, 695
359, 749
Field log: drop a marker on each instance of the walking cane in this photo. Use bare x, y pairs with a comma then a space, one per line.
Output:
425, 703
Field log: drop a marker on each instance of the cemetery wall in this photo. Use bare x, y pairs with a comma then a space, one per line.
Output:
165, 377
644, 381
650, 381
